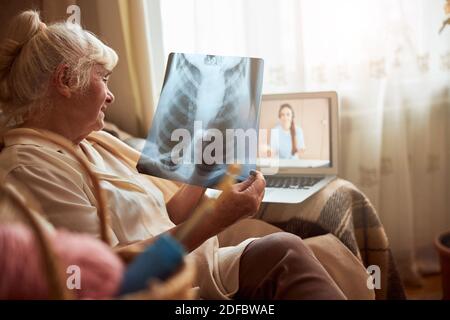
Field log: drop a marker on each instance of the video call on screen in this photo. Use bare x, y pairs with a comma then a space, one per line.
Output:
297, 133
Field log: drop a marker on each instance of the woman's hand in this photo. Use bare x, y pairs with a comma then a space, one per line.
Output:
243, 200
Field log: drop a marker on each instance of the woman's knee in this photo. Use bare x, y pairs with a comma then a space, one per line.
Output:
281, 266
276, 245
288, 241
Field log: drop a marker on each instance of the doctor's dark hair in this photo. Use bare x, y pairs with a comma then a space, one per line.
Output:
291, 128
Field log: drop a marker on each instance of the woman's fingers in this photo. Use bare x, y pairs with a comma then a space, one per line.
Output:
241, 186
257, 184
257, 178
255, 192
244, 198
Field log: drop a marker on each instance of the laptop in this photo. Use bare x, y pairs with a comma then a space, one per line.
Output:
308, 121
295, 174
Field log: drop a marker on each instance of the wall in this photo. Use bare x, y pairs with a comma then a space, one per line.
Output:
9, 9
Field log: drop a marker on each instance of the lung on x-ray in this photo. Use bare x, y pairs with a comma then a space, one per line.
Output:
206, 119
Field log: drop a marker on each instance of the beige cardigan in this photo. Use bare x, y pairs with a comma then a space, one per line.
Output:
137, 206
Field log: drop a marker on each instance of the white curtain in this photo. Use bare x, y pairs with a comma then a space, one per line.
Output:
391, 69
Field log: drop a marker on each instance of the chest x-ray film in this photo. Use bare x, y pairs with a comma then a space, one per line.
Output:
207, 118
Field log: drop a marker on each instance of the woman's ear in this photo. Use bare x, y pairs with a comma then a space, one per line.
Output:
61, 80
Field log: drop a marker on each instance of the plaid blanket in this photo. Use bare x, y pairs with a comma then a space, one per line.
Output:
343, 210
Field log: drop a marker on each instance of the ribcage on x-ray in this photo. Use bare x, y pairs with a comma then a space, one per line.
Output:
201, 92
227, 116
181, 109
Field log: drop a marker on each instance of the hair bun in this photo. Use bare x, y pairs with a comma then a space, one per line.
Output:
22, 28
9, 50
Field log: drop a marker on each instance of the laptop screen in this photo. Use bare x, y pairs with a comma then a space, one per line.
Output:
295, 132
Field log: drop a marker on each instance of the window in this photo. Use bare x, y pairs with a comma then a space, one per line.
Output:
310, 44
267, 29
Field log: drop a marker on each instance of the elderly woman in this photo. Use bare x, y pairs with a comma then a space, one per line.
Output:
55, 78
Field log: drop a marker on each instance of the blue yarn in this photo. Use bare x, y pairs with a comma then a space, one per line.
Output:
158, 261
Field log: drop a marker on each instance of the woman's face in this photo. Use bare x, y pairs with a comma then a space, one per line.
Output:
92, 102
285, 118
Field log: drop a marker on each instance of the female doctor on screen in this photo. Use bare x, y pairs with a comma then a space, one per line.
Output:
286, 139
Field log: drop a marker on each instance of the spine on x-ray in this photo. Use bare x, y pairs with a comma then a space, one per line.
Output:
228, 115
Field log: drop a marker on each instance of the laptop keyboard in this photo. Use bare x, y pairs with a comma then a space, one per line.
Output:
303, 182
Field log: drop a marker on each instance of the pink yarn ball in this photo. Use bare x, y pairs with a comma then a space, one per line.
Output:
21, 271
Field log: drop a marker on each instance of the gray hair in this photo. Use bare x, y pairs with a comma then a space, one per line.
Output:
29, 56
